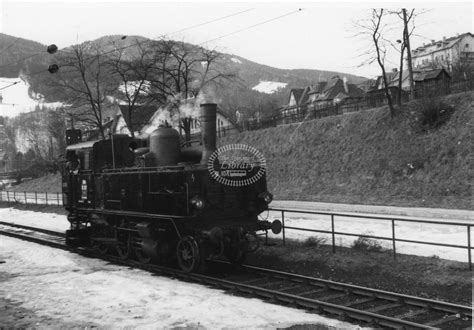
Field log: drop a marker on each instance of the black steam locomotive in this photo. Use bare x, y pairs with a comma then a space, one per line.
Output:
157, 200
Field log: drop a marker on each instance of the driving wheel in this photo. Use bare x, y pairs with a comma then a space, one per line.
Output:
188, 254
142, 256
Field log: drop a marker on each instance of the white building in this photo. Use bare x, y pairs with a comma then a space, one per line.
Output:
445, 53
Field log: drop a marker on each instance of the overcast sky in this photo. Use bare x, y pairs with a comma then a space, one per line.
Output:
320, 36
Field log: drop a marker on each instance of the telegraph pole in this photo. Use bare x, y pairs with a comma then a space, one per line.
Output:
406, 37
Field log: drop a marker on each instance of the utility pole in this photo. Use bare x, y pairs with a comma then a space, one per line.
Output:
406, 37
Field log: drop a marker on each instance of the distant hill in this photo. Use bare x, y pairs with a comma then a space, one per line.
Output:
29, 57
20, 55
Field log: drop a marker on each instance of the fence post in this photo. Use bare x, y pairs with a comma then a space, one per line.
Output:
14, 196
46, 198
393, 240
8, 196
36, 198
57, 194
469, 246
283, 223
333, 234
26, 202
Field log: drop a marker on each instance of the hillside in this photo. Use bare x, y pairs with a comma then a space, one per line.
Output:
31, 59
370, 158
20, 55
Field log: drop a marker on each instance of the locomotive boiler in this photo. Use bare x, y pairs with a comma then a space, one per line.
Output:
158, 201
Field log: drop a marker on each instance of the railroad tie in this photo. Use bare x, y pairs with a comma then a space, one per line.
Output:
312, 292
359, 301
332, 296
411, 313
440, 321
292, 287
271, 283
382, 307
253, 281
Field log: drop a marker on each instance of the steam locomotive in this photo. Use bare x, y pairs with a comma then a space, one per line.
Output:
156, 200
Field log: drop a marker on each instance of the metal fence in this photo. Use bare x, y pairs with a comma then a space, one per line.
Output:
46, 198
370, 100
393, 220
38, 198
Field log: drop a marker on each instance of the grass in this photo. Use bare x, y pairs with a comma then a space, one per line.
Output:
50, 183
367, 244
314, 241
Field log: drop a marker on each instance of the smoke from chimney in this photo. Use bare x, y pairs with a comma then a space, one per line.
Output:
346, 86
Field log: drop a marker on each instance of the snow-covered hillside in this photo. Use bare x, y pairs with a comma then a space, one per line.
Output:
236, 60
15, 99
269, 87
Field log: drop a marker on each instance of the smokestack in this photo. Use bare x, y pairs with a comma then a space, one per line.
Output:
208, 130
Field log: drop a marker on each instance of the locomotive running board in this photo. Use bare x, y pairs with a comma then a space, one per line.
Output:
133, 214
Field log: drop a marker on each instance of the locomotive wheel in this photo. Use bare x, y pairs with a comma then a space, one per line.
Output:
236, 256
188, 254
142, 256
101, 248
237, 247
123, 250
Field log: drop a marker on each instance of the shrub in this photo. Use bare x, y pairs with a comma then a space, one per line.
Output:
433, 112
367, 244
314, 241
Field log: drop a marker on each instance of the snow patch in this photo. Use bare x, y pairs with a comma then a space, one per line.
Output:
66, 286
236, 60
132, 87
15, 99
269, 87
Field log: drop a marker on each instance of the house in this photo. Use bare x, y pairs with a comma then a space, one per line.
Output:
335, 96
438, 79
146, 118
141, 119
446, 53
224, 125
426, 82
431, 82
296, 103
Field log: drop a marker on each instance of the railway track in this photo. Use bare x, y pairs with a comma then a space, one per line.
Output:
348, 302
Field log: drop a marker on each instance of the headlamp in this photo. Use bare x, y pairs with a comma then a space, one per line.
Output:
266, 196
197, 202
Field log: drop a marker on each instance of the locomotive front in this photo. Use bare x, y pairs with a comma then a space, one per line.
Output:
165, 202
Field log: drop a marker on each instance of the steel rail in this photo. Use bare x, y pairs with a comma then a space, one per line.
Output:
369, 292
281, 296
41, 230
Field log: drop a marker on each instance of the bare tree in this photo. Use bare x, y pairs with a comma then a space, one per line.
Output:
56, 127
134, 75
85, 80
183, 72
374, 28
404, 45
